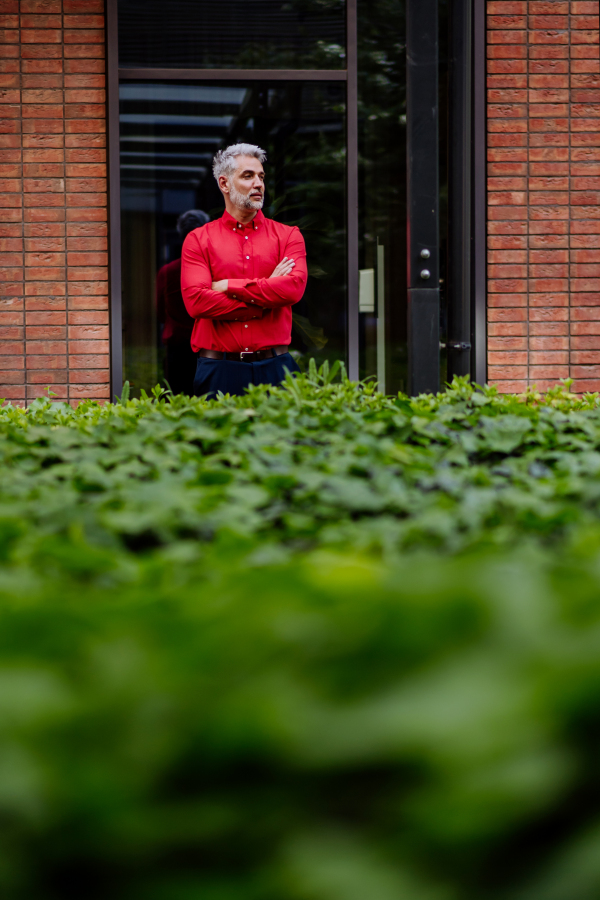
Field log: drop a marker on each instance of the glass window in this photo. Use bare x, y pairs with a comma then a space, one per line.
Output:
169, 133
382, 191
233, 34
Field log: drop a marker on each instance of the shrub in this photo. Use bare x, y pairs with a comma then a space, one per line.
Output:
315, 644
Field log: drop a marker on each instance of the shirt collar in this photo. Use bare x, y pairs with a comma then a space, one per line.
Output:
232, 223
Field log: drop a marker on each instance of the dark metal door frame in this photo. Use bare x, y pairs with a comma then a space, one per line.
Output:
422, 154
467, 283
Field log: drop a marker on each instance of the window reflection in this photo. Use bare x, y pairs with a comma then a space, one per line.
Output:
382, 190
169, 135
233, 34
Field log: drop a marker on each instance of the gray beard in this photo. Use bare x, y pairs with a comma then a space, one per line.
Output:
243, 201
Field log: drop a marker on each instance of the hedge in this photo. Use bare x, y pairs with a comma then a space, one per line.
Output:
311, 644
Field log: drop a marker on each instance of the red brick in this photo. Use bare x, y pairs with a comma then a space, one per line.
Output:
45, 303
585, 341
504, 256
94, 391
11, 348
51, 377
41, 51
89, 361
87, 273
83, 6
11, 377
9, 362
60, 391
87, 259
80, 51
11, 333
509, 373
74, 66
549, 329
87, 317
13, 394
40, 7
45, 332
88, 303
89, 376
46, 317
47, 289
41, 36
504, 344
546, 51
84, 36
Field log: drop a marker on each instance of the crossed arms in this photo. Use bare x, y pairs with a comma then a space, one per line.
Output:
241, 298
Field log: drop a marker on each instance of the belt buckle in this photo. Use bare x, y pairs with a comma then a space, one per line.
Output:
244, 353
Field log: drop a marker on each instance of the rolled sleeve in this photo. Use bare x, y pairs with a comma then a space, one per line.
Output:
200, 300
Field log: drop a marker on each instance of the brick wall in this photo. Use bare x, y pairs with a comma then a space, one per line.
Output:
544, 193
543, 212
53, 224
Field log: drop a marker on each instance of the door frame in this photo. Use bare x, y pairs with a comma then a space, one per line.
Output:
471, 60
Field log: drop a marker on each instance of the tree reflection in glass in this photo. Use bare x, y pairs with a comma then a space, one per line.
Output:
382, 186
233, 34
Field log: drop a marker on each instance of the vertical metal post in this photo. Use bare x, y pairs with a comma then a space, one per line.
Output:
479, 306
114, 197
423, 196
380, 281
460, 195
352, 187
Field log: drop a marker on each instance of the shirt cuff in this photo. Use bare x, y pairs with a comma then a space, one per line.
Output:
236, 290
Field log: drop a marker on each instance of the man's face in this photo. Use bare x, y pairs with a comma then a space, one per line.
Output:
247, 184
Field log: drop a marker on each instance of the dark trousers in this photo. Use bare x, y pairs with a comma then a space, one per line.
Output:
180, 368
231, 377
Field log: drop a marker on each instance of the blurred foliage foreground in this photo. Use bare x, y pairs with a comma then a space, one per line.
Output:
314, 645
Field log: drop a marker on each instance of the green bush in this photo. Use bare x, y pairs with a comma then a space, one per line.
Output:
315, 644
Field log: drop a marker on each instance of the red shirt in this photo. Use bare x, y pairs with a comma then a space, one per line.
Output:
170, 308
256, 310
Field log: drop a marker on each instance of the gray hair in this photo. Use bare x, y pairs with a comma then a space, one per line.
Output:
224, 162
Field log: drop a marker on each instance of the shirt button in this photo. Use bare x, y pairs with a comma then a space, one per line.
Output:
245, 326
246, 237
247, 257
235, 296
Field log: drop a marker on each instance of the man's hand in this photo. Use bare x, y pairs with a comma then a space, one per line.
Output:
220, 286
283, 268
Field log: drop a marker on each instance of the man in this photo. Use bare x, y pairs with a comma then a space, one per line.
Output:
177, 324
240, 276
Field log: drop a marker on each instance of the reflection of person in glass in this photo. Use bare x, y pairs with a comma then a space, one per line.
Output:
240, 276
177, 324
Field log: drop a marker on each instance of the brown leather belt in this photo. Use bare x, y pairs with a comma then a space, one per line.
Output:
245, 355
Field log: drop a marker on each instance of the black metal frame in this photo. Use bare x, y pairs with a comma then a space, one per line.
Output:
467, 282
479, 196
152, 74
422, 109
467, 275
114, 198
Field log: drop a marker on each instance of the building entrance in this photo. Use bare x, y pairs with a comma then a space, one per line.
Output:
321, 85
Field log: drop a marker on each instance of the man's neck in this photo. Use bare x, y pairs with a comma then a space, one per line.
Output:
240, 215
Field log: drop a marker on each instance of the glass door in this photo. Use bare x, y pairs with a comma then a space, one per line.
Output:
321, 85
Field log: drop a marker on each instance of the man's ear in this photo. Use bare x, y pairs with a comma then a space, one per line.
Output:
224, 183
